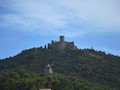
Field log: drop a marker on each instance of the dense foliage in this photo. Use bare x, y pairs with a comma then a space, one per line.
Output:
88, 64
23, 80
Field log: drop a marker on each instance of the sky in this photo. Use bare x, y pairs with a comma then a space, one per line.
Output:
26, 24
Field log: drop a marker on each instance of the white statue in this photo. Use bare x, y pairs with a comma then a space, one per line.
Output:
50, 69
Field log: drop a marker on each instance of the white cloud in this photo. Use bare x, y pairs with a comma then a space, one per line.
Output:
59, 16
103, 12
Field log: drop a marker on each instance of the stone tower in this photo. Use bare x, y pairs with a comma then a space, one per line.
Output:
61, 38
62, 42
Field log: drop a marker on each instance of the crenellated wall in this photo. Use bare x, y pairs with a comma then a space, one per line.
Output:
62, 44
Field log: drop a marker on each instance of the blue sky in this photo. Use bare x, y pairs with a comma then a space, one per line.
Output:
32, 23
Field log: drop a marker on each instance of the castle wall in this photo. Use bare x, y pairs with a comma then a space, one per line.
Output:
62, 44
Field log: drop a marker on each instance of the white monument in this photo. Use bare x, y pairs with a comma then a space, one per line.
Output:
50, 69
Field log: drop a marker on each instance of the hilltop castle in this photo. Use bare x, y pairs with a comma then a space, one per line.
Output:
62, 44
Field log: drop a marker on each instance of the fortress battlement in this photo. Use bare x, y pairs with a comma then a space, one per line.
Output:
61, 44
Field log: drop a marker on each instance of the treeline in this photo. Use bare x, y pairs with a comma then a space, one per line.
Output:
23, 80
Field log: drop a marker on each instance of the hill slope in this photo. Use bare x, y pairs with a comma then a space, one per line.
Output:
88, 64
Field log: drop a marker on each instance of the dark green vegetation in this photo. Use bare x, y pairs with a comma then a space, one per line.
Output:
73, 70
23, 80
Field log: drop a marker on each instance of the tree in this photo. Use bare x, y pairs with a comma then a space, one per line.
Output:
45, 47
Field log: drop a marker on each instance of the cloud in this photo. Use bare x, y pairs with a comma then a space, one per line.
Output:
69, 17
103, 12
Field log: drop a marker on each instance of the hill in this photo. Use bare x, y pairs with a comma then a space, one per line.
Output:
87, 64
